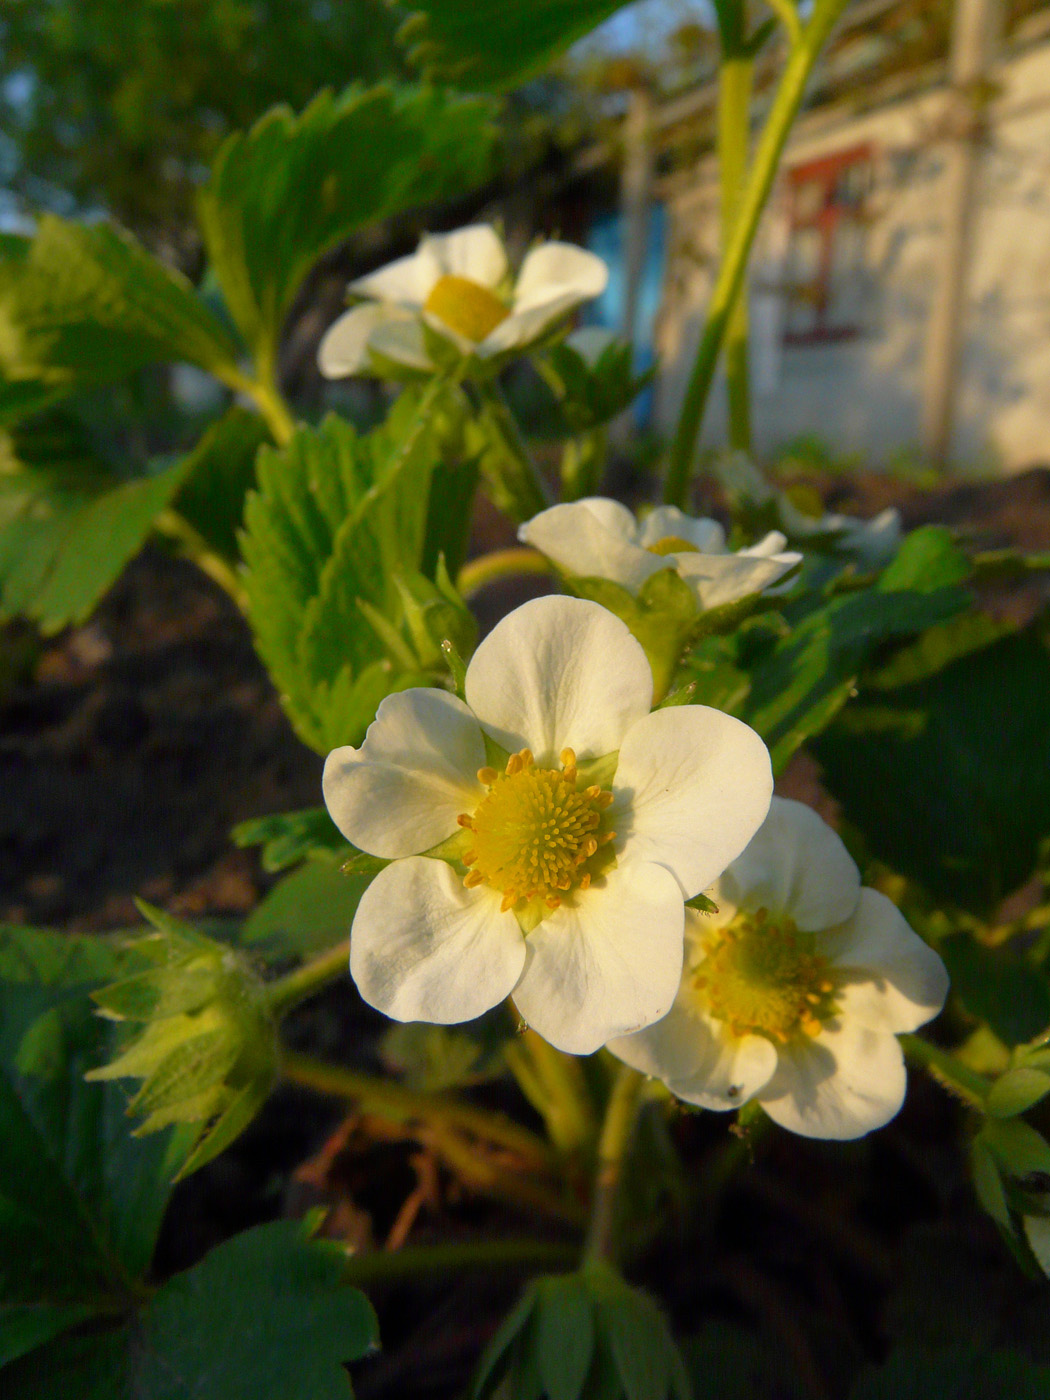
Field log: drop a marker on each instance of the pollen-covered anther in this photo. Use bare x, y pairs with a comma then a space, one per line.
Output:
763, 976
534, 832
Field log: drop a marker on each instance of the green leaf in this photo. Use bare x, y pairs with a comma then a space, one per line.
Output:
219, 473
335, 519
292, 188
948, 779
306, 912
500, 1350
432, 1058
639, 1339
80, 1199
88, 305
998, 987
989, 1184
957, 1373
482, 44
1017, 1091
68, 523
264, 1316
289, 837
563, 1328
1019, 1149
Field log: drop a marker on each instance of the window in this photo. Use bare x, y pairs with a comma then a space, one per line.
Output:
825, 270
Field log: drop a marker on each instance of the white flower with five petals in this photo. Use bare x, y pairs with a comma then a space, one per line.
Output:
600, 538
459, 286
584, 822
794, 992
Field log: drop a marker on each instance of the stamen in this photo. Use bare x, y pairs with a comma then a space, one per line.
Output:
534, 834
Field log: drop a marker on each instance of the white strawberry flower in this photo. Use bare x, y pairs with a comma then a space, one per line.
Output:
583, 821
459, 286
873, 543
793, 994
600, 538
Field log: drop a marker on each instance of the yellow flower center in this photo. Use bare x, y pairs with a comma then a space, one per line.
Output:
536, 835
465, 307
673, 544
805, 499
763, 976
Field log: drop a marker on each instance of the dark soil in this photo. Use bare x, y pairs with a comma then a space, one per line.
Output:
133, 745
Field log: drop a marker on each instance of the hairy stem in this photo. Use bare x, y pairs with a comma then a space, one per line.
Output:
583, 463
193, 546
304, 982
391, 1100
617, 1131
966, 1083
735, 78
365, 1269
803, 56
510, 474
554, 1084
477, 574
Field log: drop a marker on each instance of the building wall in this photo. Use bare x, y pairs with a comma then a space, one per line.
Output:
863, 391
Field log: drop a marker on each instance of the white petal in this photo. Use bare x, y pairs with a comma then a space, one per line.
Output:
475, 252
425, 948
556, 270
557, 673
770, 544
344, 346
717, 579
666, 521
401, 792
674, 1047
592, 543
401, 339
606, 964
407, 281
842, 1084
692, 787
893, 980
795, 865
524, 327
731, 1072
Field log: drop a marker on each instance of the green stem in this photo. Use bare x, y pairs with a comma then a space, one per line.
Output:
735, 81
511, 476
193, 546
803, 56
477, 574
621, 1115
395, 1101
364, 1269
946, 1069
583, 464
554, 1084
288, 991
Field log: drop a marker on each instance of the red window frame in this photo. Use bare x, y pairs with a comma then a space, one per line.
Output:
826, 218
